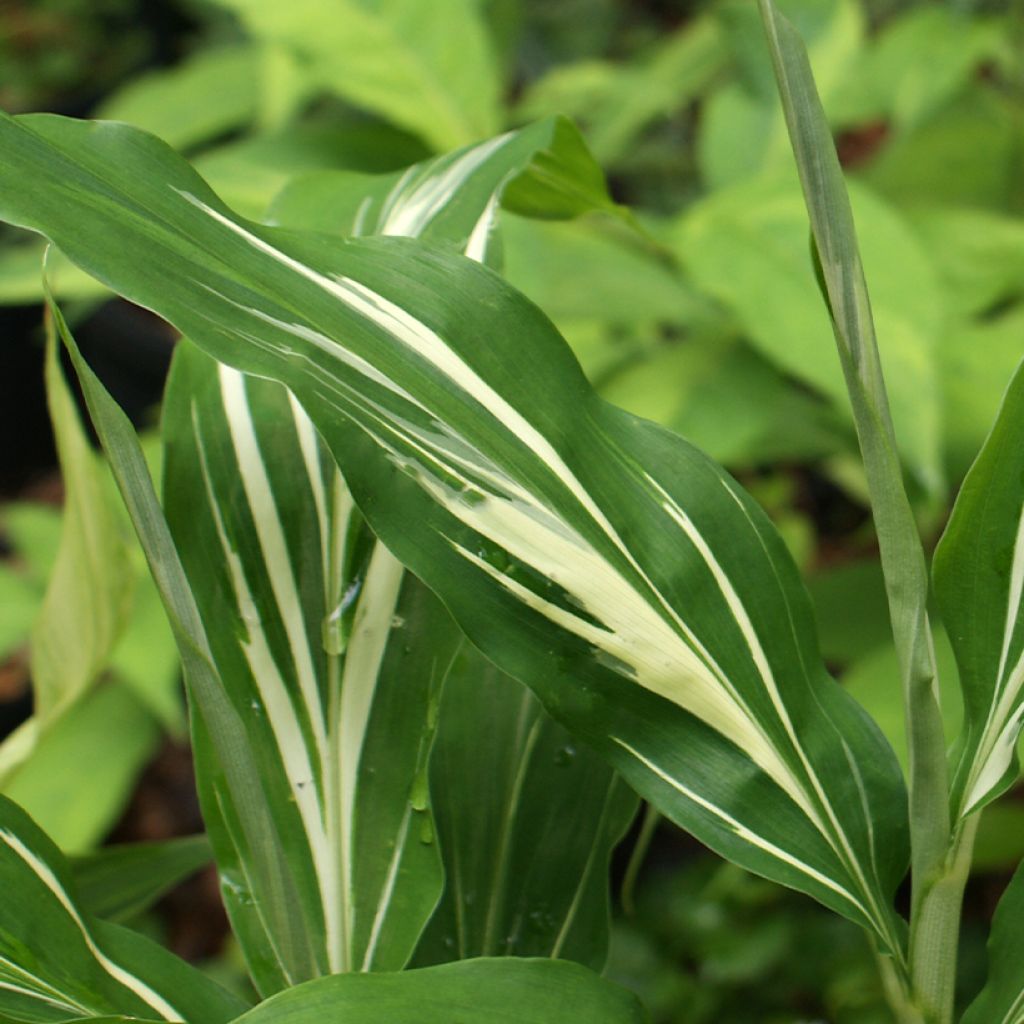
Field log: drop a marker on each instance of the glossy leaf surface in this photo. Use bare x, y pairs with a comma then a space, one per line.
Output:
604, 561
503, 991
57, 963
331, 656
527, 819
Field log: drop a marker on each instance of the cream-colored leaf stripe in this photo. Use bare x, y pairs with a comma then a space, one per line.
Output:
14, 978
626, 618
422, 194
45, 874
328, 809
997, 745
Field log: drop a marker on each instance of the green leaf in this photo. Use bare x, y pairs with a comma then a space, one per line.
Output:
921, 59
332, 658
543, 171
527, 820
503, 991
979, 579
1002, 999
33, 530
747, 246
964, 154
834, 244
19, 605
976, 359
89, 594
979, 255
119, 882
206, 96
742, 131
426, 67
598, 558
75, 807
57, 963
617, 102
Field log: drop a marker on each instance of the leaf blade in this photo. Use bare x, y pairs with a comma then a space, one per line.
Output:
529, 475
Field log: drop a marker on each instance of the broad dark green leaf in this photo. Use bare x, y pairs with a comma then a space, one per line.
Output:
332, 657
979, 582
502, 991
527, 820
1002, 999
57, 963
600, 559
118, 882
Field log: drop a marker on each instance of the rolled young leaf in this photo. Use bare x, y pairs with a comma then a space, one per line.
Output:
600, 559
1002, 999
57, 963
502, 991
330, 654
979, 586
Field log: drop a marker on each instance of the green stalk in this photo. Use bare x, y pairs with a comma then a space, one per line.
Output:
936, 932
934, 855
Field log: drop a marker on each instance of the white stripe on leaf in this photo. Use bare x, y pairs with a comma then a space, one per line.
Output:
45, 874
997, 746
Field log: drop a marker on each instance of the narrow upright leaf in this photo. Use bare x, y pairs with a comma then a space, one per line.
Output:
332, 657
834, 242
979, 586
602, 560
57, 963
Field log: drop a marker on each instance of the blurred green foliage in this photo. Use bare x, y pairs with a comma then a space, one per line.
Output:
706, 318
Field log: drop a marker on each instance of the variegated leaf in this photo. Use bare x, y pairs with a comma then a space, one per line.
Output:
615, 569
543, 171
340, 653
979, 586
332, 658
58, 963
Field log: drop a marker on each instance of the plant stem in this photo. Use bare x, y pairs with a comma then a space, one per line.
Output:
934, 854
897, 992
935, 931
